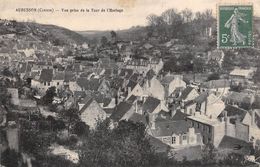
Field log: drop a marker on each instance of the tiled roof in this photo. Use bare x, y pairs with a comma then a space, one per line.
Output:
221, 83
46, 75
120, 110
150, 104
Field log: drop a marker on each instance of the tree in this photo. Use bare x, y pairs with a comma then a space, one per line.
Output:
49, 95
214, 76
198, 65
256, 76
4, 95
71, 115
10, 158
209, 154
187, 15
81, 129
125, 145
7, 72
34, 142
103, 41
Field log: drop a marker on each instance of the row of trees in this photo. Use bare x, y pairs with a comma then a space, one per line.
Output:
184, 24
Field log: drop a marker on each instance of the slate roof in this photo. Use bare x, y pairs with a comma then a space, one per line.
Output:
107, 63
79, 94
109, 111
164, 116
46, 75
134, 77
120, 110
257, 118
186, 92
117, 83
87, 104
108, 72
167, 128
150, 74
131, 99
167, 79
131, 84
69, 76
202, 97
234, 113
138, 118
126, 73
150, 104
92, 84
239, 97
59, 76
158, 145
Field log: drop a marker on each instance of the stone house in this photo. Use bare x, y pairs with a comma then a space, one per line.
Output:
91, 112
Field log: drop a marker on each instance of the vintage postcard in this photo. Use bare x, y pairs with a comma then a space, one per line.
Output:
130, 83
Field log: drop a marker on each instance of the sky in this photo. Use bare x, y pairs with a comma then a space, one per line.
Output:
134, 11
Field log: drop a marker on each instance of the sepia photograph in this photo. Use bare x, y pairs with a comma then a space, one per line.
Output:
130, 83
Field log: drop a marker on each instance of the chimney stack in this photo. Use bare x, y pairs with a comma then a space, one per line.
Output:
252, 117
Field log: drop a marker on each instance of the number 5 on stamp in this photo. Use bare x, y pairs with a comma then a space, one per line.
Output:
235, 26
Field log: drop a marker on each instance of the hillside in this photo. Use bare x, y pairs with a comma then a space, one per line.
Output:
134, 33
42, 32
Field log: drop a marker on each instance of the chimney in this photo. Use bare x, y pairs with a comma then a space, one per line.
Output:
152, 121
173, 112
253, 118
129, 91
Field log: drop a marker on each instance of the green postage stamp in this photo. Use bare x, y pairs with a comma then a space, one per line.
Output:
235, 26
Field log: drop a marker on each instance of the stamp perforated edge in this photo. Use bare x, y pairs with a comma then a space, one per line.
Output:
217, 17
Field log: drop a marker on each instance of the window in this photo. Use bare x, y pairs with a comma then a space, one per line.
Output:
198, 126
190, 111
49, 83
184, 137
44, 83
58, 83
173, 140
